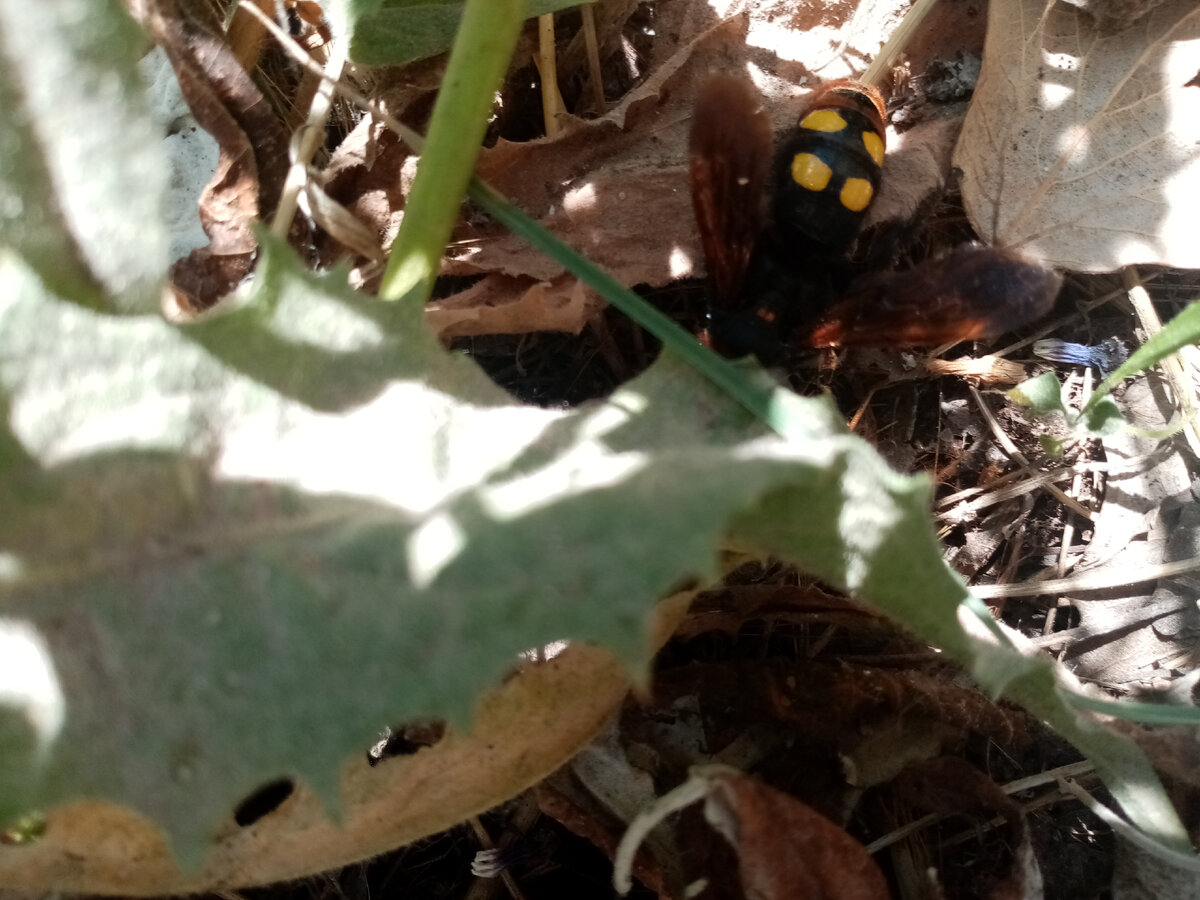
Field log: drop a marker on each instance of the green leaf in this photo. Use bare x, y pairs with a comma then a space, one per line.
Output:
1052, 446
240, 547
1103, 418
1181, 331
392, 32
247, 544
81, 174
1042, 394
872, 535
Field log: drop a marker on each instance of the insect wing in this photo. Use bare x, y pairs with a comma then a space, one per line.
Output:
973, 293
729, 161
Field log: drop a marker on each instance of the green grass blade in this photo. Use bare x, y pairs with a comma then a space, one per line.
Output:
762, 398
1181, 331
1131, 711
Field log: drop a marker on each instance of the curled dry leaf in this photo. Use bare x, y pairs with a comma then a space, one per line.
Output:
783, 847
1083, 147
339, 223
950, 785
253, 151
786, 849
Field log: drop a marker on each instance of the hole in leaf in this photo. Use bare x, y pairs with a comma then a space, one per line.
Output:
265, 800
407, 739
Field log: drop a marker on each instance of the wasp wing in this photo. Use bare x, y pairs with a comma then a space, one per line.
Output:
973, 293
730, 153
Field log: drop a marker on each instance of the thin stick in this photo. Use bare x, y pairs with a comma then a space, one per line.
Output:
412, 138
1134, 465
886, 57
312, 136
548, 68
1011, 449
1071, 770
1068, 534
1172, 366
1020, 483
592, 43
1086, 581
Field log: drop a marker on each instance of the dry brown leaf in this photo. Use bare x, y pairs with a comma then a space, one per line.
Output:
616, 189
1114, 14
785, 849
246, 34
583, 821
1083, 147
950, 785
500, 304
253, 151
364, 176
339, 223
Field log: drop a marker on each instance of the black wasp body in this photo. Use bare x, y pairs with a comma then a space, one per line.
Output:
776, 225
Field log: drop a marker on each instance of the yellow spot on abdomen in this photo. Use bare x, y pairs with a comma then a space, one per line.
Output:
856, 194
823, 120
809, 172
874, 145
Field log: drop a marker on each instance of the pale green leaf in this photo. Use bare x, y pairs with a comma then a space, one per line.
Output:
1042, 394
1052, 446
248, 544
1103, 418
81, 173
239, 548
392, 32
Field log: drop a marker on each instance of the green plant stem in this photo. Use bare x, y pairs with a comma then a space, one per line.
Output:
480, 55
759, 398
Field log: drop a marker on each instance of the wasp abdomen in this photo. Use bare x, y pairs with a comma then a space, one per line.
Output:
827, 169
